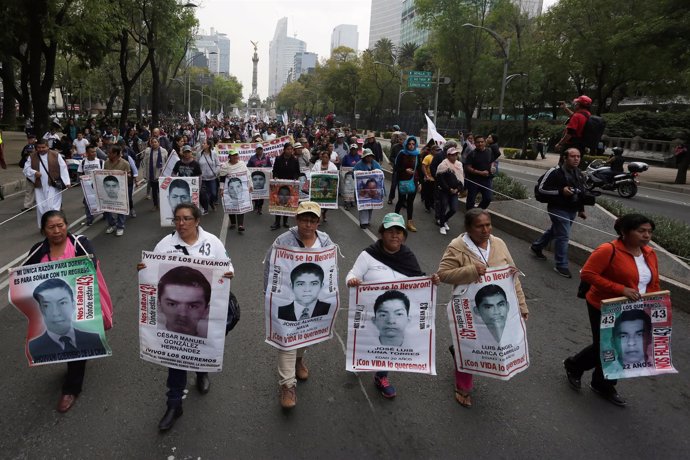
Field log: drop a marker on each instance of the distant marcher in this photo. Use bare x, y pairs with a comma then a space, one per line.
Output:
48, 172
682, 162
407, 170
479, 174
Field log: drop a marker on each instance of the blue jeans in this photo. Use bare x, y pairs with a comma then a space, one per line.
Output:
561, 223
211, 191
89, 217
115, 220
483, 185
447, 206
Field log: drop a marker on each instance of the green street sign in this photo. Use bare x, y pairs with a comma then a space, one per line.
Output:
419, 79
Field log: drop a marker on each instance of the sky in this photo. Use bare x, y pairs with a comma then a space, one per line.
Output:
309, 20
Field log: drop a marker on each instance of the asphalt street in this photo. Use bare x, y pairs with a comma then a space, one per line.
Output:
338, 414
668, 203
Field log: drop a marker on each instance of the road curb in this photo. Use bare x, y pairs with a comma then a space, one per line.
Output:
13, 187
579, 253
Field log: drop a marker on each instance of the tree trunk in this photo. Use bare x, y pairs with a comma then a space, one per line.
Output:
9, 114
155, 90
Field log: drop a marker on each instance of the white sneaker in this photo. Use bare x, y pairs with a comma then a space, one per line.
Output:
442, 230
110, 230
133, 213
120, 232
446, 226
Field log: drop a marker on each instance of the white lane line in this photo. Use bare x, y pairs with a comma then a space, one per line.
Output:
359, 378
224, 228
356, 221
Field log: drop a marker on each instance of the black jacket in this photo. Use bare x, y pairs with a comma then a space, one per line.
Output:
555, 179
286, 168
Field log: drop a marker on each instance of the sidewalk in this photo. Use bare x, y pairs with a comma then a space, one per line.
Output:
655, 177
11, 179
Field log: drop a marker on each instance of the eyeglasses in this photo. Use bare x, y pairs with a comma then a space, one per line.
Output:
183, 219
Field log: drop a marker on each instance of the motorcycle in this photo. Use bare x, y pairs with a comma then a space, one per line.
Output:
598, 176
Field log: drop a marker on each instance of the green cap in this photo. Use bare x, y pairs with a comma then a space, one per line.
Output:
233, 152
393, 219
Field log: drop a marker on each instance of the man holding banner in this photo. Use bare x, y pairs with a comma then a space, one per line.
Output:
315, 300
116, 221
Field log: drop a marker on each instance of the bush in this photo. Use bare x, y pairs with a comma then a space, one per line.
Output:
517, 154
506, 188
510, 152
648, 125
387, 135
671, 234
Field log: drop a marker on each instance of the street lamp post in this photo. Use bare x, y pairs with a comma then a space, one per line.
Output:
505, 47
400, 91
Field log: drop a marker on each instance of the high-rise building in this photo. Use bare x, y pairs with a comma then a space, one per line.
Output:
218, 44
281, 57
385, 21
533, 8
305, 62
409, 22
345, 35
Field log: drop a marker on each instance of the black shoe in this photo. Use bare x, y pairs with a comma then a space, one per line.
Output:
275, 226
610, 394
451, 350
203, 384
168, 420
537, 253
362, 226
563, 271
573, 379
390, 201
288, 226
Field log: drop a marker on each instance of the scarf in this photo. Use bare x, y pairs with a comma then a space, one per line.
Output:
403, 261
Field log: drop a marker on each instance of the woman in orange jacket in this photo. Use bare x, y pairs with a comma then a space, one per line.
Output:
625, 267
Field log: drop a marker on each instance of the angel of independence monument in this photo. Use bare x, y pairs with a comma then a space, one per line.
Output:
254, 101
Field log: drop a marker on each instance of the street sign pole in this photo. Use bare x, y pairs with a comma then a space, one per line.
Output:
438, 82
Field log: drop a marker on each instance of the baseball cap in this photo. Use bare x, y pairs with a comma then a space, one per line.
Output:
231, 152
298, 145
583, 100
354, 146
393, 219
367, 153
371, 136
396, 127
186, 148
309, 206
452, 151
341, 134
259, 146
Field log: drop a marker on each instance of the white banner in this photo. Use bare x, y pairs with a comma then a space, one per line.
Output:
487, 328
181, 318
236, 198
173, 191
304, 184
272, 148
301, 296
170, 163
260, 177
391, 327
370, 189
90, 196
347, 183
111, 190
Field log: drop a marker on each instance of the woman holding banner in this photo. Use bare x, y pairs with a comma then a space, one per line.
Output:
60, 244
465, 260
233, 165
626, 266
367, 163
388, 259
325, 164
189, 239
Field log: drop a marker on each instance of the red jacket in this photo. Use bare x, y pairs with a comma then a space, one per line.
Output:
608, 280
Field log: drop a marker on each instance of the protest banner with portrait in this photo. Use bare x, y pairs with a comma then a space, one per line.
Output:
301, 296
183, 307
62, 302
236, 197
260, 177
635, 336
347, 183
370, 189
284, 197
111, 190
323, 189
173, 191
304, 184
90, 196
272, 148
170, 163
487, 328
391, 327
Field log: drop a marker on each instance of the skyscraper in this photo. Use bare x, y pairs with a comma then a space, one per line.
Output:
409, 30
533, 8
345, 35
385, 21
281, 57
304, 63
219, 43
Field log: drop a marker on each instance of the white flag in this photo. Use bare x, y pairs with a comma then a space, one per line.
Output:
431, 132
266, 119
285, 118
208, 115
202, 116
190, 119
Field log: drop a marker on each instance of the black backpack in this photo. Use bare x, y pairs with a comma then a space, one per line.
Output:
592, 132
541, 197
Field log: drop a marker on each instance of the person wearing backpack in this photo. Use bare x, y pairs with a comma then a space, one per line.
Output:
563, 189
573, 136
87, 165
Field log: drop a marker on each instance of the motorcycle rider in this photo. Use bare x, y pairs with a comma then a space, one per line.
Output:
615, 164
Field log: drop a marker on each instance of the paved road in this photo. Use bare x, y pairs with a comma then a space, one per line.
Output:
339, 414
648, 200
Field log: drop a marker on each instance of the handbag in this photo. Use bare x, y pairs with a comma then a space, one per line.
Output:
584, 286
233, 313
57, 183
406, 187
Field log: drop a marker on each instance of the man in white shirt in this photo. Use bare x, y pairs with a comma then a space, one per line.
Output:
80, 144
89, 164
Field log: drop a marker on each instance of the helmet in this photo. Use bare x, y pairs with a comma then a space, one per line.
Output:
583, 100
617, 151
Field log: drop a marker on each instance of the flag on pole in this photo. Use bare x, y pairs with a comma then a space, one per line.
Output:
285, 118
190, 119
266, 119
202, 116
208, 115
431, 132
221, 115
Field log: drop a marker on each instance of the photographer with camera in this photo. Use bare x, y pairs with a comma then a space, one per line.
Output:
564, 185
